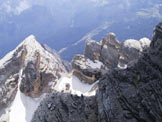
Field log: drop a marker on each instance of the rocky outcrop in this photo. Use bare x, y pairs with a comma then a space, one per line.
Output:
111, 53
92, 50
134, 94
59, 107
132, 50
87, 70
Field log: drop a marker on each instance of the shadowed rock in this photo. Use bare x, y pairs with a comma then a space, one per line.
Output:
59, 107
134, 94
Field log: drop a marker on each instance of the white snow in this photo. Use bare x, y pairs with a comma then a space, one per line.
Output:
23, 106
145, 42
76, 86
139, 45
94, 64
132, 43
6, 58
48, 60
31, 44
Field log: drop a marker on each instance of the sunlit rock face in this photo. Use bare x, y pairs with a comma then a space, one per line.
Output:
87, 70
105, 55
39, 66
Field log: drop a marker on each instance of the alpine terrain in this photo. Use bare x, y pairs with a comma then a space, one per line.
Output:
112, 81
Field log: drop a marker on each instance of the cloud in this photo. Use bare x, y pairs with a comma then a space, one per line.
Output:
153, 12
23, 5
100, 2
15, 7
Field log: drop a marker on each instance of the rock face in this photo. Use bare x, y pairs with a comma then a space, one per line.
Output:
59, 107
92, 50
40, 68
124, 95
134, 94
110, 53
86, 69
9, 73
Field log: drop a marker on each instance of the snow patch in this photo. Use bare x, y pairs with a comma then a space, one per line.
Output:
132, 43
23, 106
139, 45
145, 42
94, 64
75, 86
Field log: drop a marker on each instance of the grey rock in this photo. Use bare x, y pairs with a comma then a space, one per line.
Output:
130, 95
110, 56
84, 71
92, 50
111, 53
58, 107
9, 78
131, 50
111, 40
134, 94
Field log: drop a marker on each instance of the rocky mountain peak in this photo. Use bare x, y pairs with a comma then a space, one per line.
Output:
31, 39
40, 71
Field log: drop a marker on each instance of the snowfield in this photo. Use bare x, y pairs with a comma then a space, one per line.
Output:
94, 65
76, 86
23, 106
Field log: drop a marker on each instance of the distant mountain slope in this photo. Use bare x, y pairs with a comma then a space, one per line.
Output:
61, 23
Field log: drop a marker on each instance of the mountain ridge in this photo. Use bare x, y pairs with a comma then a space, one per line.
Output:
109, 76
132, 94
